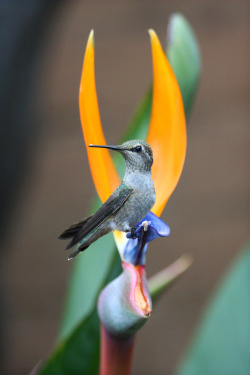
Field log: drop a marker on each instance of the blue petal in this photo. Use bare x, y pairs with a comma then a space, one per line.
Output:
156, 228
131, 251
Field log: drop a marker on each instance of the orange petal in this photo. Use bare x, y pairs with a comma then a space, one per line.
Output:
102, 168
167, 129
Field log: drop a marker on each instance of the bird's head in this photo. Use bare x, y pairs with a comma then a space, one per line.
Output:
137, 154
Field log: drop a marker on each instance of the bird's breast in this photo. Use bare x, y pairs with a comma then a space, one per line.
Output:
138, 204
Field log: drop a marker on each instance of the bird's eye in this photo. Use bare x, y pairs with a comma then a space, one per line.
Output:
137, 149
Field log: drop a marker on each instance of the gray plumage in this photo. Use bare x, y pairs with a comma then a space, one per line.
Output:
128, 204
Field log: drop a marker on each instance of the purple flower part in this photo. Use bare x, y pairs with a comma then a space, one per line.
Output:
156, 227
136, 249
131, 252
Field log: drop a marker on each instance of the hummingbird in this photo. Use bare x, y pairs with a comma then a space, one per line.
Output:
127, 205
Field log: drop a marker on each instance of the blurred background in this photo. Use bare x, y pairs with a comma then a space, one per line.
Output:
46, 183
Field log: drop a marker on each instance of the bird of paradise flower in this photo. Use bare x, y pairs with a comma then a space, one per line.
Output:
167, 137
166, 134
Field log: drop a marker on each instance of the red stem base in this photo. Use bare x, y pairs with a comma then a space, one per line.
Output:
116, 354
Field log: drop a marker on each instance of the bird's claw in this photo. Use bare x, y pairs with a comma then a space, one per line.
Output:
133, 233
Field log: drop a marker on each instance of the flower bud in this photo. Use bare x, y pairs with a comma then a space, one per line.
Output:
125, 304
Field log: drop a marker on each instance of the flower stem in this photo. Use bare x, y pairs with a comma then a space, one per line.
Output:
116, 354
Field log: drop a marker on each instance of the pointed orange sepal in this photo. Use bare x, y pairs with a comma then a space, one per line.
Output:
102, 168
167, 129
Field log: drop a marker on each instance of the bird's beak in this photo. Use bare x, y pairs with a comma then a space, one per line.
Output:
115, 148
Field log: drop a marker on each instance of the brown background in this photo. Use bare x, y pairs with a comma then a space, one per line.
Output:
207, 213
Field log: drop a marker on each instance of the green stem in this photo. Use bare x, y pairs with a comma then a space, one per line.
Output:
116, 354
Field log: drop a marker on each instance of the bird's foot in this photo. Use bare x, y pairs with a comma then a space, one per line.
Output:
133, 233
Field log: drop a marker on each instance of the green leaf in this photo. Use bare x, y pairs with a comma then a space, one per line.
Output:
79, 333
138, 127
221, 346
184, 56
79, 353
88, 277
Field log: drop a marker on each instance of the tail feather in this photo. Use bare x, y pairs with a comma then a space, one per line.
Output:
86, 241
90, 229
74, 229
79, 233
78, 250
72, 243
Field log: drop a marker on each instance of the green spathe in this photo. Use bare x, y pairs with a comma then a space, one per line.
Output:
119, 311
184, 57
